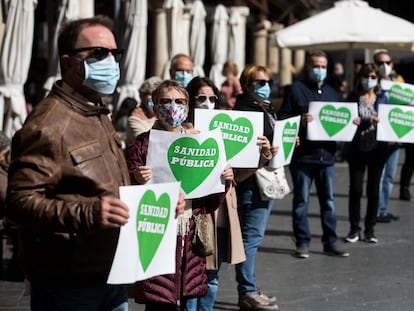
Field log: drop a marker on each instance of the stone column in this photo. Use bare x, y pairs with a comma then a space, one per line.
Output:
285, 67
260, 42
299, 60
274, 51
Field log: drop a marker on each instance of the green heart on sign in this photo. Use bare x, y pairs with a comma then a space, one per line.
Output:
152, 221
400, 96
289, 134
236, 134
333, 120
400, 121
190, 162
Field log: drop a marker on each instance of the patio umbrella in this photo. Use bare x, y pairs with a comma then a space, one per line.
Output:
177, 32
348, 25
219, 44
15, 61
235, 44
134, 59
198, 37
68, 10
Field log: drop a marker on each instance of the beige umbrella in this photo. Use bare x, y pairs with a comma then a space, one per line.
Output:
15, 59
219, 44
134, 59
177, 32
198, 37
68, 10
350, 24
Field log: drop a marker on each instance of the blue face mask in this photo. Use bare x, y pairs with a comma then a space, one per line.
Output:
184, 77
263, 92
150, 104
318, 74
101, 76
368, 84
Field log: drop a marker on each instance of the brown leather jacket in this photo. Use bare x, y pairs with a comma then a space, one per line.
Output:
66, 156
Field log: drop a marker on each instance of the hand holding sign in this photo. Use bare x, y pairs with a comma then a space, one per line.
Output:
238, 129
333, 121
147, 243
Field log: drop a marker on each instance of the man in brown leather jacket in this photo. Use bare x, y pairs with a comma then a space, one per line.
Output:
67, 166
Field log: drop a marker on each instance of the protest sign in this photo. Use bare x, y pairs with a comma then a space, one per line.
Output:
284, 136
396, 123
398, 93
195, 160
240, 130
146, 244
332, 121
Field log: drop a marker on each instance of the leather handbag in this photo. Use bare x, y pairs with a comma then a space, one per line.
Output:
203, 240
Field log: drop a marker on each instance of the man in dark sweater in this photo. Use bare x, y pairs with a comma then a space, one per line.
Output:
312, 160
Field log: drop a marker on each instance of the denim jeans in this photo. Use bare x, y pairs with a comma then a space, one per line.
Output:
107, 298
302, 176
253, 215
387, 180
206, 303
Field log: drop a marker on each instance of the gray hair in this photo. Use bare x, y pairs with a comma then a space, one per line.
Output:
4, 141
149, 85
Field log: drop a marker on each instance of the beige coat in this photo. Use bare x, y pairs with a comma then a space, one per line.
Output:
235, 252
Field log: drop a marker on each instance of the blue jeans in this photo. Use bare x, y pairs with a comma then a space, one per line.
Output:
206, 303
106, 298
387, 181
302, 175
253, 215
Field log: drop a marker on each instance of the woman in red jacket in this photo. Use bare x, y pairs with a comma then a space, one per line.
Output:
171, 291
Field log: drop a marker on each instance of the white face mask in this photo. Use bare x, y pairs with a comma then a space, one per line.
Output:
385, 70
205, 105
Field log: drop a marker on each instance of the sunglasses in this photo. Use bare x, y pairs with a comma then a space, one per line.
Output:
100, 53
178, 101
263, 82
383, 62
372, 77
202, 98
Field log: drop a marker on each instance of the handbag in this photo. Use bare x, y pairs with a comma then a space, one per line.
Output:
203, 240
272, 183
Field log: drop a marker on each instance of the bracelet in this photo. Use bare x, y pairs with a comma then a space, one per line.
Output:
267, 155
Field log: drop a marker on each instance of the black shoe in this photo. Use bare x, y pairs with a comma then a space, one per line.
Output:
370, 238
384, 218
256, 301
353, 236
302, 251
333, 250
393, 217
405, 194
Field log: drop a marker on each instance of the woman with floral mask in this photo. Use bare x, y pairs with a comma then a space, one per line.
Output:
365, 153
167, 292
203, 94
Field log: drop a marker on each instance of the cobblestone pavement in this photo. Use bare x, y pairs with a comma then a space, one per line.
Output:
376, 277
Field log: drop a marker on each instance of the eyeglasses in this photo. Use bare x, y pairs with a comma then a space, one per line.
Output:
100, 53
203, 97
263, 82
384, 62
372, 77
178, 101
